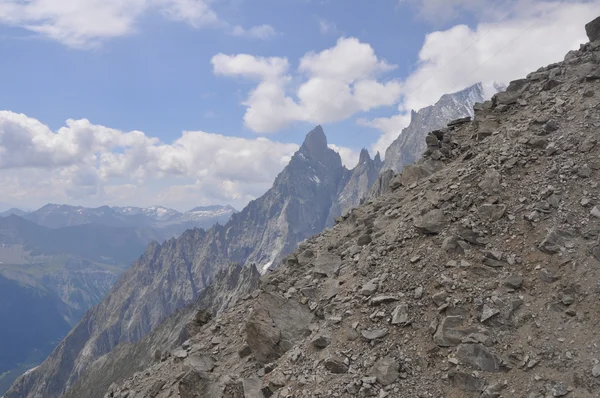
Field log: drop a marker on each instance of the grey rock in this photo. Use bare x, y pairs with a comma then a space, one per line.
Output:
466, 382
370, 287
194, 385
180, 354
400, 315
374, 334
327, 264
431, 223
488, 312
275, 325
335, 365
383, 299
559, 390
252, 388
490, 182
364, 240
491, 212
514, 282
451, 245
450, 331
596, 370
413, 173
554, 240
592, 29
321, 341
199, 363
587, 145
492, 391
479, 357
505, 98
386, 371
595, 212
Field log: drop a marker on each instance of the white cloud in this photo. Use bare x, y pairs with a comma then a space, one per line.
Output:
540, 33
249, 66
94, 164
349, 156
328, 86
261, 32
86, 23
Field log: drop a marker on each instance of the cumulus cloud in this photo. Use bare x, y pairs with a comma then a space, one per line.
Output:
102, 165
261, 32
328, 86
542, 32
86, 23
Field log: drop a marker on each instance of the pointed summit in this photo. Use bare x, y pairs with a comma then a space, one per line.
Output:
364, 156
378, 162
315, 143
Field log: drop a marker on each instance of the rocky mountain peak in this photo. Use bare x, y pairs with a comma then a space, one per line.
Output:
364, 156
315, 144
377, 159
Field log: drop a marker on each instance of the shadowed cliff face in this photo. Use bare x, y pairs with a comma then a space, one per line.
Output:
301, 203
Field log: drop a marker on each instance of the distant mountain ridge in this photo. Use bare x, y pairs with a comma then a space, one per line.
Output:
410, 144
56, 216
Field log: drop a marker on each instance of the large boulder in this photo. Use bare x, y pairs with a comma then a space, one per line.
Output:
431, 223
593, 29
275, 325
413, 173
479, 357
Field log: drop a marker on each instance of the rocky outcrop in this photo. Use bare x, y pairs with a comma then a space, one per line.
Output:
410, 144
418, 292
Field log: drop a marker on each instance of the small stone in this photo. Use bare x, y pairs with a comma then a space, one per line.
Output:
514, 282
180, 354
335, 365
596, 370
386, 371
560, 390
418, 293
375, 334
479, 357
431, 223
321, 342
370, 287
383, 299
364, 240
567, 300
400, 315
595, 212
488, 312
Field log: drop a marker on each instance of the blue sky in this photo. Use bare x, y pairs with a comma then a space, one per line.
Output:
159, 79
79, 79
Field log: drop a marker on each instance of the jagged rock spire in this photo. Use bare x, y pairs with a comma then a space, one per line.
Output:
315, 143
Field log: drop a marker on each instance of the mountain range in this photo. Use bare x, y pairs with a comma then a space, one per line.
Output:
62, 260
312, 191
166, 222
473, 274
